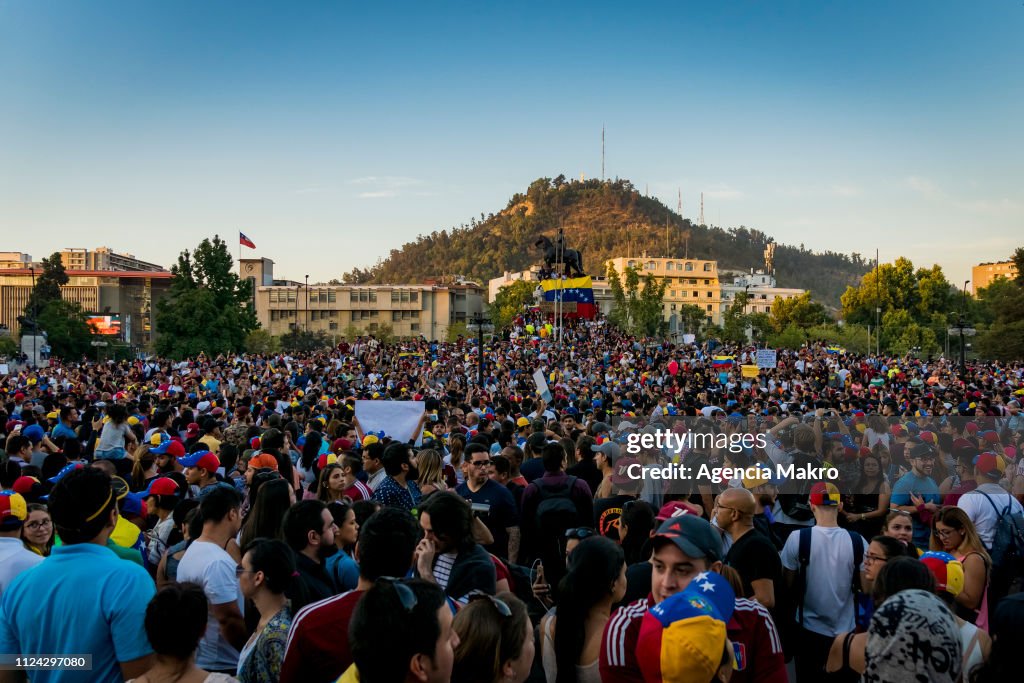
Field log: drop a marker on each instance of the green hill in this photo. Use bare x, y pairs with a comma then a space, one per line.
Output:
605, 219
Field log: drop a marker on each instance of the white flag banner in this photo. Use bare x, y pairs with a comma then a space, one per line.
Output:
542, 385
397, 419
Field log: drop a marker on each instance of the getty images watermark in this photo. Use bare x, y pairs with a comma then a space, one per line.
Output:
671, 442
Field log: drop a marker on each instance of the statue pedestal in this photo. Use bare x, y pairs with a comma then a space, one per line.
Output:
32, 346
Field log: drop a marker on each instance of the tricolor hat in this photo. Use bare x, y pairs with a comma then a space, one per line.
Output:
948, 571
683, 638
31, 488
13, 510
170, 447
66, 470
134, 504
325, 460
203, 459
162, 486
342, 444
824, 494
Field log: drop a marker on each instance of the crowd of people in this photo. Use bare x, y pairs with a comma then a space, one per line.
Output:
230, 518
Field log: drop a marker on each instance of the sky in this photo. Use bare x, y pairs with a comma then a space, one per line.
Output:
332, 132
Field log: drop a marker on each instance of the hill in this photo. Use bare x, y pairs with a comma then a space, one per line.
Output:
605, 219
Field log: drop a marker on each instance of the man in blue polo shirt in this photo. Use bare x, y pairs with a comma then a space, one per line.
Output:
82, 599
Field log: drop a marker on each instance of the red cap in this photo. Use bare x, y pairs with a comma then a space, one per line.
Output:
824, 493
972, 427
927, 437
991, 437
164, 486
192, 429
342, 444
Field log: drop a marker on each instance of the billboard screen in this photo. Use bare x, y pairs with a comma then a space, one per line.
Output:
105, 324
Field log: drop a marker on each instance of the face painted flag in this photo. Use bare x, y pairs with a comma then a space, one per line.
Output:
245, 241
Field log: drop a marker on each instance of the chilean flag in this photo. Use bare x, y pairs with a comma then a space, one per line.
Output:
245, 241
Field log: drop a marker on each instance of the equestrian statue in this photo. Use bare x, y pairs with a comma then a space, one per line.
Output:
571, 259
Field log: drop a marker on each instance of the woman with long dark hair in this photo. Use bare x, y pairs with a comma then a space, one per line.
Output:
572, 633
267, 513
635, 526
871, 496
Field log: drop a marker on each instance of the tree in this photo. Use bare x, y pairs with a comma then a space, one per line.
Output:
385, 333
691, 318
67, 332
47, 286
637, 311
8, 347
734, 322
351, 331
207, 308
801, 311
1002, 302
300, 341
793, 337
510, 301
459, 329
262, 342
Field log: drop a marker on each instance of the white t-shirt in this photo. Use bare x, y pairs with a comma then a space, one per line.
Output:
14, 559
210, 566
982, 512
828, 601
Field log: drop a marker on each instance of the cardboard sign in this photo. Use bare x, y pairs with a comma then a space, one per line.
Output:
766, 358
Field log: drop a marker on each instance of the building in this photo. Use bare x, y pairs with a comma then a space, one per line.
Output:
14, 259
983, 274
121, 301
761, 291
104, 258
687, 281
602, 287
411, 310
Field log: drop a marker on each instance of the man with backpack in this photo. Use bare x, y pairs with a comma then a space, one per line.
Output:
823, 566
553, 504
792, 512
999, 519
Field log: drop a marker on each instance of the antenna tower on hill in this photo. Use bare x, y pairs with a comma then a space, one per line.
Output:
701, 220
602, 152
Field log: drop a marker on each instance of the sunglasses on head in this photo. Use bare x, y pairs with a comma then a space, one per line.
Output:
500, 605
580, 533
405, 594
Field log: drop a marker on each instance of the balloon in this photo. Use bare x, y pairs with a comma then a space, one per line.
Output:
673, 368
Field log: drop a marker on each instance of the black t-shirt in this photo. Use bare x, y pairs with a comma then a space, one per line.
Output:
504, 512
606, 515
754, 556
588, 472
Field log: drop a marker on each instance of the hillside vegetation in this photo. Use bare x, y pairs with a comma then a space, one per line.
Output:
605, 219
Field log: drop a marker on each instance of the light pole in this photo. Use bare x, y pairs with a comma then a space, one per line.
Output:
307, 305
960, 324
480, 324
35, 314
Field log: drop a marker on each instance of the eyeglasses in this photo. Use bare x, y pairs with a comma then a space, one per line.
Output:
875, 558
405, 594
239, 570
945, 533
503, 609
41, 524
580, 533
479, 463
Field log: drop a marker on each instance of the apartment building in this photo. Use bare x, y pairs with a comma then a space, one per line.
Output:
761, 289
687, 281
410, 310
983, 274
104, 258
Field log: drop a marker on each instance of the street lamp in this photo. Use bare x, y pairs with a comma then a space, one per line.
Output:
307, 304
480, 324
960, 324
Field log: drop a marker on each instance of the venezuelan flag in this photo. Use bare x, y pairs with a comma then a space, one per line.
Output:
722, 361
833, 350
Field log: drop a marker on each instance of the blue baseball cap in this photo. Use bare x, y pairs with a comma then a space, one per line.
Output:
66, 470
33, 433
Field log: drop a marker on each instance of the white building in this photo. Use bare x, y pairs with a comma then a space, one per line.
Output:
761, 289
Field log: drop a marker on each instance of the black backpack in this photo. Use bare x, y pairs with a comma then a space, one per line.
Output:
794, 495
1008, 535
556, 512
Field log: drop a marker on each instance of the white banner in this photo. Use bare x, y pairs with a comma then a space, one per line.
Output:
542, 385
397, 419
766, 358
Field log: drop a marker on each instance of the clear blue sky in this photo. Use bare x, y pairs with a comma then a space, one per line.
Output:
332, 132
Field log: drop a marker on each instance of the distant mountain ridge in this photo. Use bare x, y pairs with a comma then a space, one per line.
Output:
604, 219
